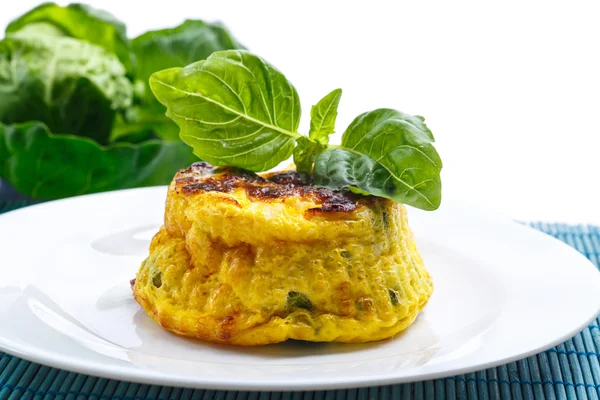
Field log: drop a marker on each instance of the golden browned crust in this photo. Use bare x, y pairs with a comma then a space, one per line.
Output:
203, 177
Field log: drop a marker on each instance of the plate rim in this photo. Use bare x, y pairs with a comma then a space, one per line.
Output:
154, 378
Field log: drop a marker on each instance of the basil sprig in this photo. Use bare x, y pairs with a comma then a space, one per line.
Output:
236, 109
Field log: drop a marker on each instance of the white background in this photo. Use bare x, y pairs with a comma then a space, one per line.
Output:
511, 90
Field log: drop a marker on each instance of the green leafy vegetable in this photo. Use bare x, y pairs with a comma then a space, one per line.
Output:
306, 152
147, 117
76, 111
43, 165
322, 117
71, 85
177, 47
233, 109
385, 153
42, 29
81, 22
236, 109
168, 48
322, 124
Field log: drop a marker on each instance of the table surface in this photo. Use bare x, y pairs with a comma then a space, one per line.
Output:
510, 90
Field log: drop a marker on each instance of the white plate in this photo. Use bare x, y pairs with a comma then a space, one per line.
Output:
502, 292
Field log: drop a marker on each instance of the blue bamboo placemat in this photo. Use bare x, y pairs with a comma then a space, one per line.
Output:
571, 370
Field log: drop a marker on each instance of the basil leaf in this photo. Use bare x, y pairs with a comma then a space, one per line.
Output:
322, 124
322, 117
385, 153
305, 154
233, 108
83, 22
44, 165
71, 85
191, 41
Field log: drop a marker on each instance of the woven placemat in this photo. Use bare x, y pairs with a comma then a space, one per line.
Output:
569, 371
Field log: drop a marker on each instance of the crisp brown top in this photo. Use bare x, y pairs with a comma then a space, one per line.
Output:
203, 177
